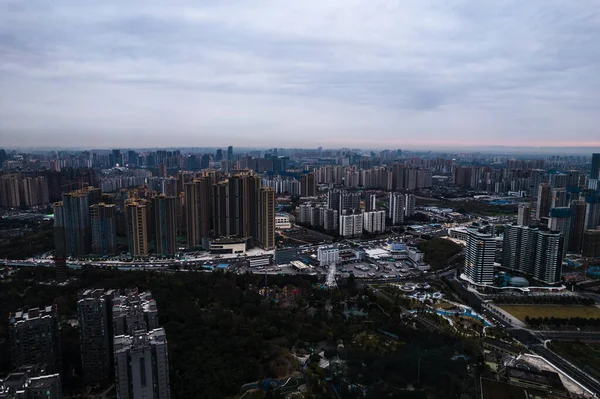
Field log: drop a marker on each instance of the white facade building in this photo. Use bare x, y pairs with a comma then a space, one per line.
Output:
351, 225
396, 208
142, 365
374, 222
328, 255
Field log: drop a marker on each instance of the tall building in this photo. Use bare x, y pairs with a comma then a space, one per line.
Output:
591, 244
34, 338
409, 205
230, 153
524, 215
266, 218
535, 252
165, 224
35, 191
543, 201
140, 353
192, 216
560, 220
371, 202
142, 365
549, 256
94, 311
137, 215
351, 225
577, 225
479, 257
558, 198
396, 208
595, 171
132, 311
9, 191
592, 212
103, 219
308, 185
374, 221
72, 227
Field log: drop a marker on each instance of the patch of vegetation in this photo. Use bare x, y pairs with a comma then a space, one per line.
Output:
584, 355
438, 250
222, 334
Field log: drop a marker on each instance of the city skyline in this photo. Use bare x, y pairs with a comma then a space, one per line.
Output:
331, 74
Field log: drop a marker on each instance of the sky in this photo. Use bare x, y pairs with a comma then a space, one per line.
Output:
330, 73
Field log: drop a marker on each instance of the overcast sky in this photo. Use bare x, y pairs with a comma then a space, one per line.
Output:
304, 73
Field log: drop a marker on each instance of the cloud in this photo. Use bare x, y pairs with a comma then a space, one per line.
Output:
306, 73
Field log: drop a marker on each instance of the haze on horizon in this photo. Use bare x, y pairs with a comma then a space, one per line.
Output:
325, 73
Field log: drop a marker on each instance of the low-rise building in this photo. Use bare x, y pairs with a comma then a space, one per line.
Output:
328, 254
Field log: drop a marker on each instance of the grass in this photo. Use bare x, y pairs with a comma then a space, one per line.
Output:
558, 311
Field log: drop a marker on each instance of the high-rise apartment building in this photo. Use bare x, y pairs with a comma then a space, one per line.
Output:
535, 252
479, 257
396, 208
308, 185
137, 215
9, 191
595, 171
103, 220
543, 201
132, 311
549, 256
409, 205
524, 215
142, 365
351, 225
140, 352
577, 225
227, 208
592, 212
591, 244
165, 224
560, 220
35, 191
94, 311
33, 336
370, 202
374, 221
266, 218
558, 198
72, 227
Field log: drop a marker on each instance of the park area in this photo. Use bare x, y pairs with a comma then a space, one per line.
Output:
557, 311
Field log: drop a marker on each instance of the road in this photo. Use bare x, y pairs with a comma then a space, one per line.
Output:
575, 373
